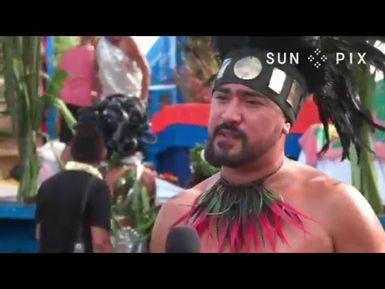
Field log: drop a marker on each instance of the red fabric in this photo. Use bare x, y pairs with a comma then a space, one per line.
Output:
189, 113
198, 114
307, 116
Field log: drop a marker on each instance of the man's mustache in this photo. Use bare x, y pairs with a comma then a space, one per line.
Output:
233, 128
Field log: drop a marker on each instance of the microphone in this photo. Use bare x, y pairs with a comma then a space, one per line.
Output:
183, 239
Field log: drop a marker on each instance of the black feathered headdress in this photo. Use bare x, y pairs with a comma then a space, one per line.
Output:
287, 69
123, 122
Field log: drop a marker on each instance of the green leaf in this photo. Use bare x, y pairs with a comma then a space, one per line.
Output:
120, 184
66, 113
56, 83
198, 164
21, 68
364, 176
39, 111
145, 199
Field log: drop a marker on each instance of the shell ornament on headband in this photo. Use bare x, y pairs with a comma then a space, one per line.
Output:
331, 80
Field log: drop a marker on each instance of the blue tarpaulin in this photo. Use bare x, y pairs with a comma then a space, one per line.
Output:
50, 66
17, 227
164, 59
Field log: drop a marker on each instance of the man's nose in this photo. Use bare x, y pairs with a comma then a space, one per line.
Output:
232, 112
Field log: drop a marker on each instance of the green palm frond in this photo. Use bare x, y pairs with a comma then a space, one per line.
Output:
198, 164
364, 176
133, 201
22, 65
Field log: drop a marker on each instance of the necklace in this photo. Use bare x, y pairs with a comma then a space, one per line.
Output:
243, 215
77, 166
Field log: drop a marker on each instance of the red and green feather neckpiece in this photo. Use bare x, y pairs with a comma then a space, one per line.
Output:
243, 216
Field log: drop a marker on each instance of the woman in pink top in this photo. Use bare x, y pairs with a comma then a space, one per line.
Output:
80, 87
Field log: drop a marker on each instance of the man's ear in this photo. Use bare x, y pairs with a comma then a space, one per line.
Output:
286, 128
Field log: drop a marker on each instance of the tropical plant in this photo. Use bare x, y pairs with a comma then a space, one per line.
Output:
199, 165
22, 75
200, 64
132, 202
364, 176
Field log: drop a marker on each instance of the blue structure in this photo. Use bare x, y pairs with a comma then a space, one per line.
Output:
172, 150
50, 62
382, 220
292, 147
17, 228
164, 57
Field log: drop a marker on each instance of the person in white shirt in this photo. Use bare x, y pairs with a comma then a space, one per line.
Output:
122, 68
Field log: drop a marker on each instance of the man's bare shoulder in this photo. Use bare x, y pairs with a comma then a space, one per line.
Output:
344, 212
351, 221
315, 183
328, 192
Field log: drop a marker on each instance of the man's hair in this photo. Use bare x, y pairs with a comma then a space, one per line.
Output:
87, 144
16, 172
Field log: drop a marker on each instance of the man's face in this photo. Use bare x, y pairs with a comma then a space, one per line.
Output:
243, 126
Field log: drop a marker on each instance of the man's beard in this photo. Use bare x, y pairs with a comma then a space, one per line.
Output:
223, 157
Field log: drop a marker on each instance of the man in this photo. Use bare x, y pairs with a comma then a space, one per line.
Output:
123, 69
59, 203
262, 201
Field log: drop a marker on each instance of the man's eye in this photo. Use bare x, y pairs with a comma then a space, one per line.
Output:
221, 97
252, 102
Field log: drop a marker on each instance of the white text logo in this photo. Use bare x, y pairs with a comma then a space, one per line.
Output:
317, 58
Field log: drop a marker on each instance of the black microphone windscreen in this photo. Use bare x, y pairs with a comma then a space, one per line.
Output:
183, 239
